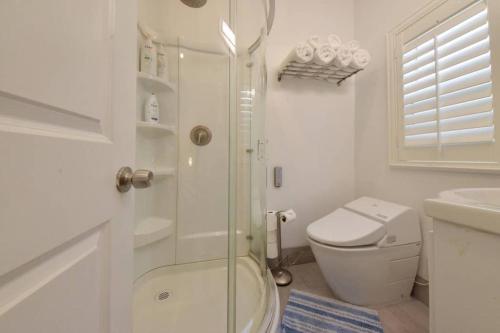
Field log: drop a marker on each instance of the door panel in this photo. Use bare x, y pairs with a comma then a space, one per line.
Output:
57, 53
67, 117
53, 278
54, 103
51, 198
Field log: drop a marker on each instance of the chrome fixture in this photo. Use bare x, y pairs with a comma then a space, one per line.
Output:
125, 179
317, 72
163, 295
282, 276
278, 176
201, 135
194, 3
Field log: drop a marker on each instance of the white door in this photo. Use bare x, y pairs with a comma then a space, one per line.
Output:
67, 104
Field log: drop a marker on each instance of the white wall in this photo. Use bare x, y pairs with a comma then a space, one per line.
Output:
373, 175
203, 170
310, 124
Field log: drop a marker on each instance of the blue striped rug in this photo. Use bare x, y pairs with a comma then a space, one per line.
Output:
308, 313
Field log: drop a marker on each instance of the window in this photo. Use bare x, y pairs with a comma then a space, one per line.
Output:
442, 88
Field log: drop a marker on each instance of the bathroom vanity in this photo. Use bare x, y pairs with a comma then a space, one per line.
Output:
464, 263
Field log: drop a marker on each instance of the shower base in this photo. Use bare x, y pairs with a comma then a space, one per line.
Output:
193, 298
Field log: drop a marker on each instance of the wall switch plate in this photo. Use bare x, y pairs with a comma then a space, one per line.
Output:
278, 176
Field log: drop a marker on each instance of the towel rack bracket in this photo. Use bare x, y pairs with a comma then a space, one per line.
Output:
280, 76
339, 82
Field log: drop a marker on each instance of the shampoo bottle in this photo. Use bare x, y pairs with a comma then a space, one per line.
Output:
148, 57
162, 62
152, 110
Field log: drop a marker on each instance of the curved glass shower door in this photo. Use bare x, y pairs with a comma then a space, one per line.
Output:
200, 231
251, 171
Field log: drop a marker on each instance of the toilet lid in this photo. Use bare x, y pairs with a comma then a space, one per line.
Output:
345, 229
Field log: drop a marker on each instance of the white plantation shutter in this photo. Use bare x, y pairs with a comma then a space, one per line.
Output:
447, 85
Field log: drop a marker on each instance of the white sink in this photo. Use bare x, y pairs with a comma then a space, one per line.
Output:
464, 270
477, 208
483, 197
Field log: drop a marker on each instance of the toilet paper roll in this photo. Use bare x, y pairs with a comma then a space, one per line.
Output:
272, 234
272, 250
271, 220
288, 216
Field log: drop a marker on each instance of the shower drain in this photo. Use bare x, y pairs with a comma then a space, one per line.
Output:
163, 295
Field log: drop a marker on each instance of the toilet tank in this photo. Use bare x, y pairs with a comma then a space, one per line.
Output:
401, 223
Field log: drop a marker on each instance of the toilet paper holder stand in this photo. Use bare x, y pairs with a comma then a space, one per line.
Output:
282, 276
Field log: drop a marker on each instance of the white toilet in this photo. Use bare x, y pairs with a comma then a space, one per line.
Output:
368, 251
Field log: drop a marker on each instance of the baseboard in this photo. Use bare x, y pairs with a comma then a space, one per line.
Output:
421, 290
294, 256
299, 255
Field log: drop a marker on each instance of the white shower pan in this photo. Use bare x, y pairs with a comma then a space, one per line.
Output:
193, 298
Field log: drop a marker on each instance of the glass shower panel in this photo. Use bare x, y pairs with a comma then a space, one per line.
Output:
252, 155
205, 213
258, 231
249, 157
183, 272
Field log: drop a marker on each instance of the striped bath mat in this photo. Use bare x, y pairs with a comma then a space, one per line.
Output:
308, 313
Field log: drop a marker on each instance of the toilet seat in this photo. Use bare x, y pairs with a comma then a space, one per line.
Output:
344, 228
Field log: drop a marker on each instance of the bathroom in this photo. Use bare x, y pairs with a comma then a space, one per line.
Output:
211, 165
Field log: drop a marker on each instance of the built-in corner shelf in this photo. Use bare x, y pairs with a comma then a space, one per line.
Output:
153, 130
154, 83
152, 229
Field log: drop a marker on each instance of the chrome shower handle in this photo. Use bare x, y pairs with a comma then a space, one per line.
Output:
201, 135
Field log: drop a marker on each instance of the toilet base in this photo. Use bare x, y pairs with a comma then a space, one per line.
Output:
368, 275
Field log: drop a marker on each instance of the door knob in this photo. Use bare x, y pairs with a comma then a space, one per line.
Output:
125, 178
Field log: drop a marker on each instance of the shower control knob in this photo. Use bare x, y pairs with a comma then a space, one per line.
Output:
125, 179
201, 135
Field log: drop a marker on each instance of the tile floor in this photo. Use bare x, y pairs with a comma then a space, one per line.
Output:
408, 317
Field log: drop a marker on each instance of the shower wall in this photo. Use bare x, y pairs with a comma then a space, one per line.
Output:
203, 170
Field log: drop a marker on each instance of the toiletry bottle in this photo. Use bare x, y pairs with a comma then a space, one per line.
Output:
148, 57
152, 110
162, 62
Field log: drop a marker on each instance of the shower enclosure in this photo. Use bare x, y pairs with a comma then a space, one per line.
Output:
200, 233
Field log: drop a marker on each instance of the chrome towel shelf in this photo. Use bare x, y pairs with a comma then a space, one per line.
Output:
317, 72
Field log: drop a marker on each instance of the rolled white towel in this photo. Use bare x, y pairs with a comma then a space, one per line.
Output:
334, 41
324, 54
344, 57
314, 41
360, 59
303, 53
352, 45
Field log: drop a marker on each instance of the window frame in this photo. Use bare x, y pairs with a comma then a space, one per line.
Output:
430, 157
